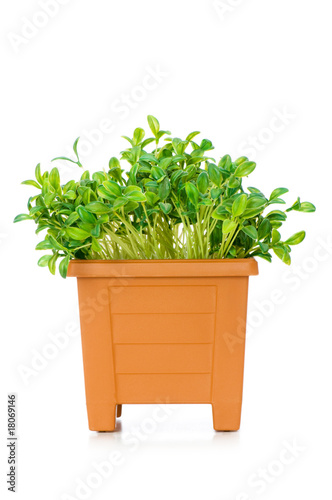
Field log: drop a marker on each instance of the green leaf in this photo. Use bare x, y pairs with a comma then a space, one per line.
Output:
147, 141
52, 263
228, 226
215, 193
163, 132
255, 201
263, 246
63, 267
131, 189
254, 207
77, 234
194, 160
276, 224
275, 236
85, 175
192, 193
131, 206
177, 176
225, 162
233, 182
138, 135
296, 238
149, 157
282, 253
151, 198
250, 231
33, 198
72, 218
116, 173
276, 215
135, 196
70, 195
103, 219
85, 215
240, 160
153, 124
276, 200
215, 174
239, 205
96, 207
114, 163
202, 182
306, 206
38, 174
264, 229
44, 245
191, 136
254, 190
178, 145
64, 158
164, 189
245, 169
165, 162
100, 177
128, 139
206, 202
134, 193
206, 145
96, 247
105, 193
41, 227
278, 192
69, 186
54, 178
120, 202
31, 183
49, 197
265, 256
113, 188
295, 205
36, 209
157, 173
55, 244
95, 231
220, 213
21, 217
76, 152
165, 207
43, 261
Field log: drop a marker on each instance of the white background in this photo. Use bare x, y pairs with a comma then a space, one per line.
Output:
229, 70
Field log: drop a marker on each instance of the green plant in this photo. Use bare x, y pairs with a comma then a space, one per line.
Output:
171, 204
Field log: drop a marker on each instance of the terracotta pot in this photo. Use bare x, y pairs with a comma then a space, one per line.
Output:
170, 331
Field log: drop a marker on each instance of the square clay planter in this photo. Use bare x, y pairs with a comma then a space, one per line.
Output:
158, 331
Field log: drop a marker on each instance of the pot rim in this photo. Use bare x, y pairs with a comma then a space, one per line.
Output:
167, 268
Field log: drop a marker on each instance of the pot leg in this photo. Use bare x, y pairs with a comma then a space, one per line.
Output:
119, 410
101, 417
226, 417
98, 356
228, 353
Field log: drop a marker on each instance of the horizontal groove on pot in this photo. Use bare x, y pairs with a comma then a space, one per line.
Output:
163, 328
162, 343
163, 299
163, 358
170, 388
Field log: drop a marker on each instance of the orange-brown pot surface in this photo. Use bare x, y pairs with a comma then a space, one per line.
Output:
163, 331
